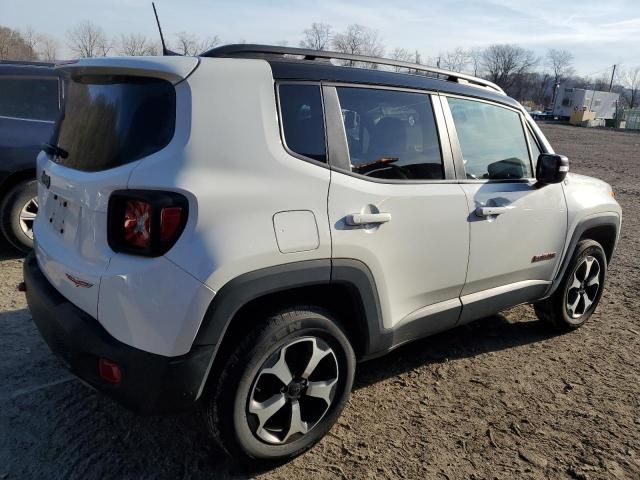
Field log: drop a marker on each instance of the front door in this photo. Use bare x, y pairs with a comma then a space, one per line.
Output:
517, 228
394, 203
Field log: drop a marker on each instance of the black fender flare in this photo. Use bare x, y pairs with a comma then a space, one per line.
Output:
610, 219
241, 290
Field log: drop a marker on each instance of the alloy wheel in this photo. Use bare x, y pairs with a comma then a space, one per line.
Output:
293, 391
27, 217
584, 288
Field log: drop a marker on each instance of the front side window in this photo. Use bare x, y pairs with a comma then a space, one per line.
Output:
391, 134
303, 120
535, 149
29, 98
492, 141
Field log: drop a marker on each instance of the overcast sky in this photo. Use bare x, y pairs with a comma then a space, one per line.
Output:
598, 32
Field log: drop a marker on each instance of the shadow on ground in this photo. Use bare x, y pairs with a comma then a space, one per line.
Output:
55, 427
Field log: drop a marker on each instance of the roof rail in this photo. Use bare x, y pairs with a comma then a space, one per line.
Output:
253, 50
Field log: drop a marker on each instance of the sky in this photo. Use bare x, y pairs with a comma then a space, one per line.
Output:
599, 33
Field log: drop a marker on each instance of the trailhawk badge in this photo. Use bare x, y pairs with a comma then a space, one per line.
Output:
543, 256
77, 282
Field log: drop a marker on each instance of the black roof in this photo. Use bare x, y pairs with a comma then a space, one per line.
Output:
324, 71
44, 69
305, 64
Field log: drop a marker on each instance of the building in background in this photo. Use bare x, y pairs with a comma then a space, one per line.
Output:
570, 100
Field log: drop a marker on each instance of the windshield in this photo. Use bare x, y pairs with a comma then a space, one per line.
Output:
108, 121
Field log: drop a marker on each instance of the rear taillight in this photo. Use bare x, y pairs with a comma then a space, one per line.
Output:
145, 222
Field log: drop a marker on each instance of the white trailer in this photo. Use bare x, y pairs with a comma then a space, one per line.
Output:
569, 100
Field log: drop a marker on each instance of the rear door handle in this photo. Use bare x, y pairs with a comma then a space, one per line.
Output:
491, 211
368, 218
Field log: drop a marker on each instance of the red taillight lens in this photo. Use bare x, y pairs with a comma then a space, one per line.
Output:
109, 371
170, 221
145, 222
137, 223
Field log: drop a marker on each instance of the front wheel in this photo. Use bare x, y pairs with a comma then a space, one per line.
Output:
282, 388
578, 295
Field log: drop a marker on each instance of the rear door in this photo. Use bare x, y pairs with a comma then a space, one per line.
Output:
517, 227
394, 203
116, 113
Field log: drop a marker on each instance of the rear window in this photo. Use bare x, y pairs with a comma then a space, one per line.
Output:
108, 121
29, 98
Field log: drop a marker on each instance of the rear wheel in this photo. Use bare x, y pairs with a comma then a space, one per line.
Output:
282, 388
18, 212
578, 295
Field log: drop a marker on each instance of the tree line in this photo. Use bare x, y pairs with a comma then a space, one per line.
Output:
524, 75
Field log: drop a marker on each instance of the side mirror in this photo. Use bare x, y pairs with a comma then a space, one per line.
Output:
551, 168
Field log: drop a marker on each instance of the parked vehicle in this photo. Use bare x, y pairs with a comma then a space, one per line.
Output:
29, 104
236, 231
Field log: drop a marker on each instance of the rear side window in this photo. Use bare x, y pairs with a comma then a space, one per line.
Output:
303, 120
29, 98
108, 121
492, 140
391, 134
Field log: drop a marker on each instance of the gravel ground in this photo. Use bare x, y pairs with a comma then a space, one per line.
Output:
501, 398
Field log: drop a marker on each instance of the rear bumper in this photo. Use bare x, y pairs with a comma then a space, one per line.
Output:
150, 383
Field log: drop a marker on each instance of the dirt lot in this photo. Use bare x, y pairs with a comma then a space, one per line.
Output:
501, 398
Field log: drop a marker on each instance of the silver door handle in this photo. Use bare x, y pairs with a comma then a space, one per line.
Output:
491, 211
368, 218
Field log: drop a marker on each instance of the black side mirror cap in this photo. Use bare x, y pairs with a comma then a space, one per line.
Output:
551, 168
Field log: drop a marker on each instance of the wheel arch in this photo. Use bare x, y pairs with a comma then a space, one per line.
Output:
15, 178
343, 287
604, 228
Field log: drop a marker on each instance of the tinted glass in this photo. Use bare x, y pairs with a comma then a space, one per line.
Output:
391, 134
109, 121
492, 141
34, 98
303, 120
535, 149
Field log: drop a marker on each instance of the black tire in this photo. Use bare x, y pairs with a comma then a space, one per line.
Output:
12, 204
555, 310
227, 403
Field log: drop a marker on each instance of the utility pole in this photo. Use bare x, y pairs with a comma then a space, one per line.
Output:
613, 74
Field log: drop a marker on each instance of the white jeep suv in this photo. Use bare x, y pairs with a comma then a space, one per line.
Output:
235, 231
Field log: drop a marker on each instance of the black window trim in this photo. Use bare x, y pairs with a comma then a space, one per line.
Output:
457, 149
283, 139
39, 77
339, 151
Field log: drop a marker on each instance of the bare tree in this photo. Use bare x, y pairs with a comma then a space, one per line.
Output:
88, 40
475, 60
48, 48
190, 44
560, 62
630, 78
506, 64
454, 60
32, 41
359, 40
317, 37
13, 46
402, 55
135, 44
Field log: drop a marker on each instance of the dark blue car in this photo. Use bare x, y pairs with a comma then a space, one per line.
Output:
30, 99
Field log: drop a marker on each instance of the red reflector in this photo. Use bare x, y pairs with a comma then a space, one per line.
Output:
137, 218
170, 218
109, 371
